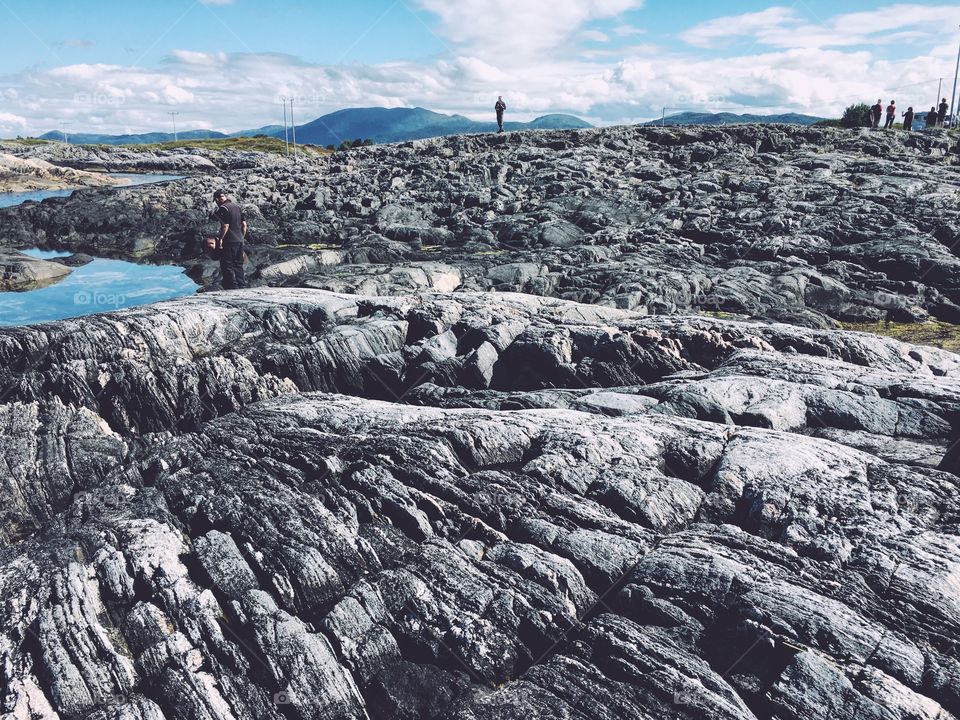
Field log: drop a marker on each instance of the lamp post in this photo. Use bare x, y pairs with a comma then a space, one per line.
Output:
293, 127
286, 132
953, 95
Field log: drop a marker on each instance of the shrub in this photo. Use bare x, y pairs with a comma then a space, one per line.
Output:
855, 116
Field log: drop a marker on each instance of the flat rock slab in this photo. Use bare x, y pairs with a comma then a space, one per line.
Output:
20, 272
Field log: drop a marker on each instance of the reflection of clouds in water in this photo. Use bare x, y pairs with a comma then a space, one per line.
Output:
103, 284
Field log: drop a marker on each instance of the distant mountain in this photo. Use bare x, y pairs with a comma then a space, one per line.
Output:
384, 125
693, 118
381, 125
145, 139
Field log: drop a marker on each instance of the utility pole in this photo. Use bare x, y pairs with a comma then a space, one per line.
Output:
939, 89
286, 132
174, 116
293, 126
663, 118
953, 95
66, 138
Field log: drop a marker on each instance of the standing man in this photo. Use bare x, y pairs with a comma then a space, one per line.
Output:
891, 115
233, 230
942, 112
500, 107
932, 118
908, 119
877, 113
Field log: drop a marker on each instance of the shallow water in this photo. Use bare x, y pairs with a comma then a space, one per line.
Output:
99, 286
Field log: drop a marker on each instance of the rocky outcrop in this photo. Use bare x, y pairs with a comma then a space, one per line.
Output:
795, 224
28, 174
291, 503
19, 272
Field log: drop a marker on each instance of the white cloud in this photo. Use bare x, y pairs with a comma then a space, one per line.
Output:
788, 27
519, 29
604, 83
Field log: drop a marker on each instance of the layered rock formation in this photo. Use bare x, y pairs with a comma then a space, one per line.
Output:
291, 503
20, 272
804, 225
19, 174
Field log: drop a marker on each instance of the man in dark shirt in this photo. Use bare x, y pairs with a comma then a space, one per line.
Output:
942, 112
233, 230
877, 111
500, 107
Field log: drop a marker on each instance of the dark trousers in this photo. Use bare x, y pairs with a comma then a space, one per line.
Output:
231, 266
876, 121
908, 125
889, 123
500, 121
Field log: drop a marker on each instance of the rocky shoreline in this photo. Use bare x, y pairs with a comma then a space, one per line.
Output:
415, 478
291, 503
811, 226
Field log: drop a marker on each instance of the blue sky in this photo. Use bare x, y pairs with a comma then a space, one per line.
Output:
115, 66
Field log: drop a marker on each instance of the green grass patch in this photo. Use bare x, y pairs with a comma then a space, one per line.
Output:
935, 334
27, 141
313, 246
248, 144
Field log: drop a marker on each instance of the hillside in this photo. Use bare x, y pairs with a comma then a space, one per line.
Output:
725, 118
378, 124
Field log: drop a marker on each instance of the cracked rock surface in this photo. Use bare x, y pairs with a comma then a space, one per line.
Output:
296, 503
794, 224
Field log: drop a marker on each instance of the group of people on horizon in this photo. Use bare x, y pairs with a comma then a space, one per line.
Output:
935, 118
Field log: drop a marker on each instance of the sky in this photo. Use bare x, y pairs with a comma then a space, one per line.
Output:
115, 66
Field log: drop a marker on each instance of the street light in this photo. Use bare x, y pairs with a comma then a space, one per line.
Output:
293, 127
953, 95
286, 131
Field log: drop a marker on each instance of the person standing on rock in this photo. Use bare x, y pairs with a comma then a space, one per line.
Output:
942, 112
932, 118
233, 230
891, 115
500, 107
908, 119
877, 111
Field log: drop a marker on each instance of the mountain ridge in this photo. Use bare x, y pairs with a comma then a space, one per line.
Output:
382, 125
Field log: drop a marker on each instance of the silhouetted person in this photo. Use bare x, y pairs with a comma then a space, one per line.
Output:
908, 119
942, 112
877, 111
891, 115
233, 230
500, 107
932, 118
